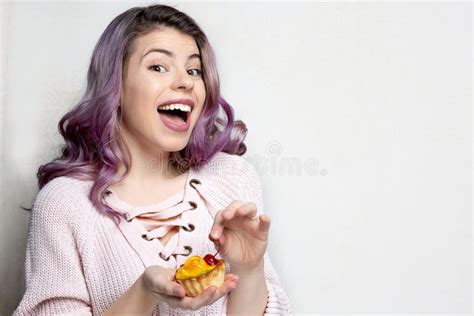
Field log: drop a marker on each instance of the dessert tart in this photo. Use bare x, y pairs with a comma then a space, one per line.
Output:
197, 274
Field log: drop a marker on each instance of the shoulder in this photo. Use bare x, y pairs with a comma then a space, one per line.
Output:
65, 189
232, 167
63, 199
61, 218
231, 177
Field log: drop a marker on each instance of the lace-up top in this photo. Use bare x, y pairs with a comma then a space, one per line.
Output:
157, 220
79, 261
154, 221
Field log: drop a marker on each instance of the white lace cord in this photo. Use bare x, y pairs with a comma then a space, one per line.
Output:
167, 213
170, 247
163, 229
152, 221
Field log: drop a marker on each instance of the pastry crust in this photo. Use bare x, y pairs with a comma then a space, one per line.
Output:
195, 285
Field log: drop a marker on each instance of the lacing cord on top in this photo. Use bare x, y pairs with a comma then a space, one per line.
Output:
157, 224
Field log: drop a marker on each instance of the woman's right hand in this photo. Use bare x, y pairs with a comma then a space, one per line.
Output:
159, 282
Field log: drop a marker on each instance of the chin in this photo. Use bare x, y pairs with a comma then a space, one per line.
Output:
174, 146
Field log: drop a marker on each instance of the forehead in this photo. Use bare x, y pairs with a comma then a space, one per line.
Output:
167, 38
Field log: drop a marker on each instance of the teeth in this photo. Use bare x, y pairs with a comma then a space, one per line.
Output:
182, 107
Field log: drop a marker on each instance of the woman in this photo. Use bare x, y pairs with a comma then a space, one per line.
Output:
150, 175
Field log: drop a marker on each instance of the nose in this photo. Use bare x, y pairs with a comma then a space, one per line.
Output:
182, 80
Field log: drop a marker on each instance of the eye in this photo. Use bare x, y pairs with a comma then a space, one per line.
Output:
198, 72
154, 67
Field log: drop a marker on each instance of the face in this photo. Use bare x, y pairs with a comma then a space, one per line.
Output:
164, 67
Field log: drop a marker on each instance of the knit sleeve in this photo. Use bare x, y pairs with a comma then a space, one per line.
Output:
278, 301
55, 284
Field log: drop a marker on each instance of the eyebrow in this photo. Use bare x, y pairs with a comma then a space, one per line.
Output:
168, 53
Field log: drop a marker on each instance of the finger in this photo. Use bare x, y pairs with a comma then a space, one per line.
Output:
212, 294
224, 289
220, 244
220, 218
192, 303
229, 284
202, 299
264, 224
230, 210
169, 287
217, 227
248, 210
231, 280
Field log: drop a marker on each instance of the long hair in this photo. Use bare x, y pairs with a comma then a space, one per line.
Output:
93, 147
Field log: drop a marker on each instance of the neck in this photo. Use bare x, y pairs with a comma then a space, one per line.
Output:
146, 171
147, 168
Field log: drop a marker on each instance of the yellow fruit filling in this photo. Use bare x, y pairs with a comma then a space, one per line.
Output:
193, 267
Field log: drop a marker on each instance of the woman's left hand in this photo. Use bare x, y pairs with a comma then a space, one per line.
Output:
242, 240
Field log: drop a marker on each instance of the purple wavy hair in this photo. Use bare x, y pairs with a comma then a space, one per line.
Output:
93, 147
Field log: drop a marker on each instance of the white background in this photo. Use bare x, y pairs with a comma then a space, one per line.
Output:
374, 98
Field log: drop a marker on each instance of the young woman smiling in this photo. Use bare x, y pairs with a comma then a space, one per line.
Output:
150, 174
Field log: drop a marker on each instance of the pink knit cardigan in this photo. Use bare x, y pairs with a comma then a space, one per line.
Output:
78, 261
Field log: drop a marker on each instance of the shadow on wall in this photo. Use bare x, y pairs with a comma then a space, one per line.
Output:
18, 191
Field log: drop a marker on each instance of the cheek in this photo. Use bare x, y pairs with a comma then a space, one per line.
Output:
201, 93
141, 94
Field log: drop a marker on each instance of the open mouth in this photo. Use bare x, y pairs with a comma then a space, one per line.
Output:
176, 112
